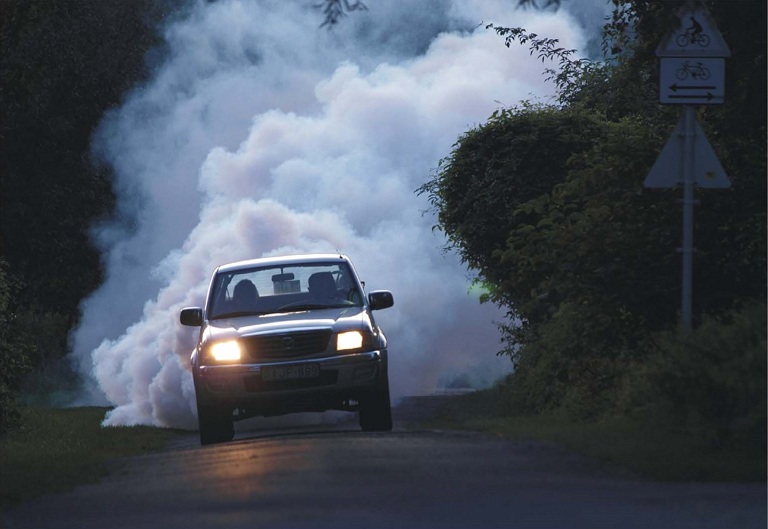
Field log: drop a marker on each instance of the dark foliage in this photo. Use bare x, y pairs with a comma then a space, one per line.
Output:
63, 64
546, 204
16, 348
335, 10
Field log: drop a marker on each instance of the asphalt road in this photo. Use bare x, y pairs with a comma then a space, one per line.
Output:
301, 473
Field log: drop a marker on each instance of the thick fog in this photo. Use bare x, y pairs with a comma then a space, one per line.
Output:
261, 134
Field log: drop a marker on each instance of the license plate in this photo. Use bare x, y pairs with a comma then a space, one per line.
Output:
290, 372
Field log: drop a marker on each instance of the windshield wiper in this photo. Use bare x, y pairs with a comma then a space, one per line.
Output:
295, 307
237, 314
299, 306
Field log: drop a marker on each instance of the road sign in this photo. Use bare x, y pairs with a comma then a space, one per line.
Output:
691, 81
691, 72
695, 36
667, 171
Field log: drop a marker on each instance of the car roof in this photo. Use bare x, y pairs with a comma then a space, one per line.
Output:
284, 259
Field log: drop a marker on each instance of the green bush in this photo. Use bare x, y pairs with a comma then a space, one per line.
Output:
15, 350
52, 380
577, 362
710, 382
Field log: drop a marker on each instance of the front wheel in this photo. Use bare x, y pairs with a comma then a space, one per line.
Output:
215, 425
702, 40
376, 412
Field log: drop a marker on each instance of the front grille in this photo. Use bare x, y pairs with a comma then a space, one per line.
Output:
286, 345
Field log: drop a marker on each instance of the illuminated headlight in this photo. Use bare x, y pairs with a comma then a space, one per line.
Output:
349, 340
225, 351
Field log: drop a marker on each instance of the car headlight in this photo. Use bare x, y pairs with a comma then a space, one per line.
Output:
225, 351
349, 340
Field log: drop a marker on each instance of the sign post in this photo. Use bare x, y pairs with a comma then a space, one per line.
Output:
689, 117
691, 72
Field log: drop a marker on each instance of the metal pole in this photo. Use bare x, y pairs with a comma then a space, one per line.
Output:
688, 202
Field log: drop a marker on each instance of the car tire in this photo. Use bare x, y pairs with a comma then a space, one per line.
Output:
215, 425
376, 412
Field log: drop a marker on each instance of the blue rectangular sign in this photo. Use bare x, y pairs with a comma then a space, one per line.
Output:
692, 80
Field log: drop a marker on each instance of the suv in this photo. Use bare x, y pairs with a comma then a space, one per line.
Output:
284, 335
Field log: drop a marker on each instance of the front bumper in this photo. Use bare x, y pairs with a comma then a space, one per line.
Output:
340, 378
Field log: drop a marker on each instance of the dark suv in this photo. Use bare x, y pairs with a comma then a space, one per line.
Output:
288, 334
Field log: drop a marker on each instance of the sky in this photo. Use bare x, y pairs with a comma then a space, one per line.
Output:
258, 134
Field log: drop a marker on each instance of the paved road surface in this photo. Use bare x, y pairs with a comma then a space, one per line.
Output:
334, 476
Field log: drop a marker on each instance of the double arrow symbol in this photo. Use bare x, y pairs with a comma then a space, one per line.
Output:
675, 87
708, 96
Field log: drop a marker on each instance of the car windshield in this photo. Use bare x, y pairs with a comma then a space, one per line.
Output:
283, 288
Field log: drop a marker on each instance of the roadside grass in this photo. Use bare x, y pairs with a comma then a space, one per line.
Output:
645, 450
56, 449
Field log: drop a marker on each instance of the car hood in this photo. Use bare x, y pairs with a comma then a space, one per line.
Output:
336, 319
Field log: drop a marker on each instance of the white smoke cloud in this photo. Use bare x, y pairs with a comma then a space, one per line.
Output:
260, 134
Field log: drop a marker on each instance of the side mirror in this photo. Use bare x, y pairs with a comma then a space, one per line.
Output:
191, 316
380, 299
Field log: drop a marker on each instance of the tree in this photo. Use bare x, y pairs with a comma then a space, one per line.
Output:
57, 80
15, 351
546, 204
63, 65
479, 191
335, 10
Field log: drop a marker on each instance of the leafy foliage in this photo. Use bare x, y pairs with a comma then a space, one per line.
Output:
568, 70
512, 160
63, 65
335, 10
546, 204
709, 383
15, 351
58, 78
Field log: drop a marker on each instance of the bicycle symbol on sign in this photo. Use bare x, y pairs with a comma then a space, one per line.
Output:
693, 35
696, 70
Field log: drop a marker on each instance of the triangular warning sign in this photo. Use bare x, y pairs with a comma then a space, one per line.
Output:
668, 169
695, 36
708, 172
